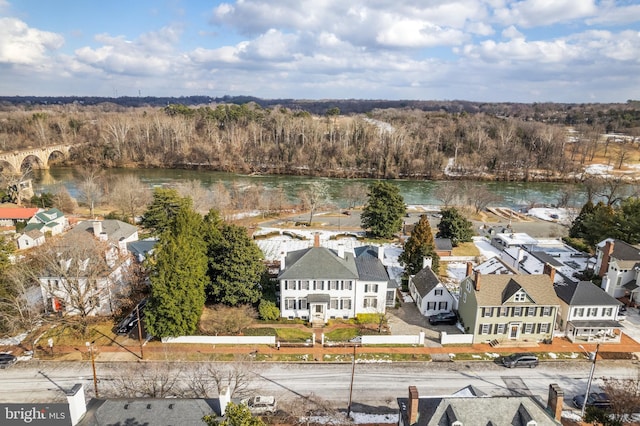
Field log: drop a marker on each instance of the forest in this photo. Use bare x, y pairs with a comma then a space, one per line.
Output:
413, 140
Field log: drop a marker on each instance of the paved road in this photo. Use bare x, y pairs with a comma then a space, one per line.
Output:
376, 386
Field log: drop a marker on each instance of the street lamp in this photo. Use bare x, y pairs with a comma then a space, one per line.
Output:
93, 366
592, 356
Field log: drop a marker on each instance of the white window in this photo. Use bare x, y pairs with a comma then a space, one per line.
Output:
503, 312
431, 306
469, 286
438, 292
607, 312
443, 305
345, 303
303, 303
520, 296
578, 312
546, 311
333, 285
318, 285
487, 312
304, 285
289, 303
370, 302
528, 328
592, 312
544, 328
517, 311
347, 285
464, 297
485, 328
500, 328
531, 311
333, 304
371, 288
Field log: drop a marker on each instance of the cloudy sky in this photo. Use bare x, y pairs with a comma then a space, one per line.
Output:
479, 50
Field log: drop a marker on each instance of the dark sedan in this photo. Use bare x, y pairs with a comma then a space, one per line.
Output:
596, 399
7, 360
443, 318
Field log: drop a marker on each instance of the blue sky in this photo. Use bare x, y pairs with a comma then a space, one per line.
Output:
479, 50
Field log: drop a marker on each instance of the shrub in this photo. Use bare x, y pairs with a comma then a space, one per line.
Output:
268, 310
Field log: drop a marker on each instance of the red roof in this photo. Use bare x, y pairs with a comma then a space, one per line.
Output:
17, 213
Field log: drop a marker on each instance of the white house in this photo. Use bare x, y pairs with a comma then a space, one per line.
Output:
430, 295
318, 284
30, 239
618, 263
52, 220
92, 284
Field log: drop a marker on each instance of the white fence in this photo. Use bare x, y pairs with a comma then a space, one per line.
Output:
223, 340
394, 340
458, 258
455, 339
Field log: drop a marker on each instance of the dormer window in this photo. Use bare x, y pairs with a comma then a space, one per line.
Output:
520, 296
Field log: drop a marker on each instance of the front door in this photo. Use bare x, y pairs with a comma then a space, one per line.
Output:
514, 331
318, 312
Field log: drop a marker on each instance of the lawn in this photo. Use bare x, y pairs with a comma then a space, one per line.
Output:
68, 335
342, 334
466, 249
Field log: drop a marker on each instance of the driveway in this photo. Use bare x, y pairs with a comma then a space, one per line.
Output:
631, 324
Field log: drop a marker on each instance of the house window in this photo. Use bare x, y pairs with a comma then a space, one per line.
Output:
333, 304
485, 328
607, 312
592, 312
303, 303
544, 328
520, 296
431, 306
371, 288
503, 312
333, 285
531, 311
304, 285
438, 292
347, 285
464, 297
443, 305
370, 302
500, 328
487, 312
469, 286
578, 312
517, 311
619, 281
528, 328
289, 303
546, 311
318, 285
345, 303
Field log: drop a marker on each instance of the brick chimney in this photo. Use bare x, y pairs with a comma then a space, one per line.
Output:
555, 401
316, 240
469, 269
549, 270
412, 408
476, 281
606, 255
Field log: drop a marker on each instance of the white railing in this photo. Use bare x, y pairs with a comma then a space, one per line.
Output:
455, 339
223, 340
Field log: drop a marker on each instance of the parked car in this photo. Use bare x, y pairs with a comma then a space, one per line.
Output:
520, 360
131, 321
261, 404
595, 399
7, 360
443, 318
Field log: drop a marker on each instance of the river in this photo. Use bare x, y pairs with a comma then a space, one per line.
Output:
415, 192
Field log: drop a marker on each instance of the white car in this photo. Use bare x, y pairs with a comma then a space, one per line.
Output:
261, 404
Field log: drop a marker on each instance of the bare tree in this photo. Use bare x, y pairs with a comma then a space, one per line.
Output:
18, 307
222, 319
316, 194
18, 184
63, 200
447, 193
130, 195
624, 395
149, 380
355, 194
90, 189
201, 196
207, 381
482, 197
311, 410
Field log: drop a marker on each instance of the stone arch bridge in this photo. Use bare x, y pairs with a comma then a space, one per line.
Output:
40, 157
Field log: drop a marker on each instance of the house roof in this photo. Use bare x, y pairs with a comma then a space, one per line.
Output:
369, 267
152, 411
496, 289
425, 281
494, 265
494, 410
140, 249
622, 250
443, 244
17, 213
34, 234
584, 293
319, 262
115, 229
33, 227
49, 215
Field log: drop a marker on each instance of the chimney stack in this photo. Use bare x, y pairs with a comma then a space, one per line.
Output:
316, 240
381, 253
606, 255
469, 269
341, 251
283, 258
77, 403
412, 409
224, 398
97, 228
555, 401
550, 270
476, 281
427, 262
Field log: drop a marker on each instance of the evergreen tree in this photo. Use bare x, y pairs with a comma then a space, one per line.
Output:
163, 209
455, 227
577, 227
235, 415
178, 275
235, 263
382, 215
420, 245
629, 220
601, 223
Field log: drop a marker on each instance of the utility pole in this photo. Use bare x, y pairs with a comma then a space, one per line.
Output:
139, 331
93, 366
353, 370
593, 369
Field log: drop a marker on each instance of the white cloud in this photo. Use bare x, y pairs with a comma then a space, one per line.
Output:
511, 32
535, 13
20, 44
414, 33
610, 13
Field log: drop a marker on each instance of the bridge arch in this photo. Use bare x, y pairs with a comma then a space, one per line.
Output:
42, 156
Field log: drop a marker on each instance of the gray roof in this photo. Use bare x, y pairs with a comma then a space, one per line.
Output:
140, 249
425, 281
584, 293
495, 289
319, 263
546, 258
369, 267
495, 410
121, 412
624, 251
115, 229
443, 244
